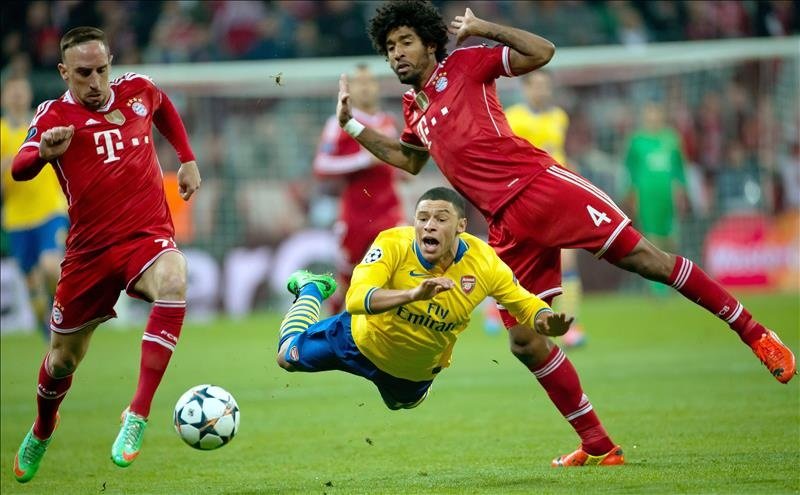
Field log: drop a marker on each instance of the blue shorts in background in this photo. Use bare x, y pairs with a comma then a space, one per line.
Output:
27, 245
328, 345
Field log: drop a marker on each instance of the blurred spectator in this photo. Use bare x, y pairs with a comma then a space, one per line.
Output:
738, 182
657, 179
366, 187
789, 169
247, 29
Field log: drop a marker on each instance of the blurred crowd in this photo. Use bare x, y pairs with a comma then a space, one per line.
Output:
146, 31
738, 125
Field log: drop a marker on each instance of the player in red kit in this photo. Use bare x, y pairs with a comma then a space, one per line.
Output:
98, 137
370, 203
534, 207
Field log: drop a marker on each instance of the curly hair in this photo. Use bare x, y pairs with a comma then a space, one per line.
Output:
419, 15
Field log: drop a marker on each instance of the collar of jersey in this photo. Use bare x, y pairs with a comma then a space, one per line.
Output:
462, 248
68, 98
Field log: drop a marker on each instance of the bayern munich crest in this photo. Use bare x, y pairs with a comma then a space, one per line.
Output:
139, 109
441, 84
137, 106
468, 283
57, 316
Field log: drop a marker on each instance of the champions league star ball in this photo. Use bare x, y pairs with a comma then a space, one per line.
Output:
206, 417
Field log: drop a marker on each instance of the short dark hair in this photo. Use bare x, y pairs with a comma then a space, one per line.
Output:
420, 15
446, 194
80, 35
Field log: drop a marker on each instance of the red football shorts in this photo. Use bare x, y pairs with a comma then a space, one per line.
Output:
90, 284
558, 210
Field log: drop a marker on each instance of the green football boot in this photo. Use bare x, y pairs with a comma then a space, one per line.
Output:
299, 279
129, 440
29, 456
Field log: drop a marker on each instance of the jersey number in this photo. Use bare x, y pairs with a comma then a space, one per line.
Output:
598, 217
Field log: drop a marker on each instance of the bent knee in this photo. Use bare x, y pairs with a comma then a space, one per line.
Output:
61, 366
173, 286
528, 346
283, 363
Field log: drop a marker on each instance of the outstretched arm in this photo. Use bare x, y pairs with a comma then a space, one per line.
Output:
387, 149
380, 300
552, 324
528, 51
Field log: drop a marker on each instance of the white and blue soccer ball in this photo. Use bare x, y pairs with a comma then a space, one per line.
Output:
206, 417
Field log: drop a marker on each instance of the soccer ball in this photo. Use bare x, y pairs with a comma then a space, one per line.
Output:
206, 417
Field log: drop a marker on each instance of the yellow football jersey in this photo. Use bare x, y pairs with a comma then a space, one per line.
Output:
415, 341
546, 130
30, 203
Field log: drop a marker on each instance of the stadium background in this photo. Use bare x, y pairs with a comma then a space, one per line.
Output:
255, 81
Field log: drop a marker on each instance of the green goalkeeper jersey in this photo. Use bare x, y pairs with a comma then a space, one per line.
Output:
655, 165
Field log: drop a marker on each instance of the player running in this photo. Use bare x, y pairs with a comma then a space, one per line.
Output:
98, 137
534, 206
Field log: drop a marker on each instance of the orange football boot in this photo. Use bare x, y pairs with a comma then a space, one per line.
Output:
778, 358
580, 457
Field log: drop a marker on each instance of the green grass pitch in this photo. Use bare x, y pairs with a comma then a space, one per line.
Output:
693, 408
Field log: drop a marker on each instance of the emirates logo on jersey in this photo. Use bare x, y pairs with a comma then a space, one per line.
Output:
468, 283
137, 106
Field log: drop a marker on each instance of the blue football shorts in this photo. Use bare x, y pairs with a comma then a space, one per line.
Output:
28, 245
328, 345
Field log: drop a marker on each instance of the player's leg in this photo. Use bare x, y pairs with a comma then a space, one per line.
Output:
51, 246
24, 247
570, 301
537, 267
556, 374
693, 283
163, 281
309, 290
55, 378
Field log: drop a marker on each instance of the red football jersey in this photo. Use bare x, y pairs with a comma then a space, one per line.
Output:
110, 172
370, 199
458, 118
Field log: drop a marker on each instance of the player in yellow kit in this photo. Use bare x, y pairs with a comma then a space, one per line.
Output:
34, 212
409, 299
544, 124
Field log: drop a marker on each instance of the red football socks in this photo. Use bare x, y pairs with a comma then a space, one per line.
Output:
158, 342
559, 378
49, 394
697, 286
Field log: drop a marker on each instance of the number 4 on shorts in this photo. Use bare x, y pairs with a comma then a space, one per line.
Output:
598, 217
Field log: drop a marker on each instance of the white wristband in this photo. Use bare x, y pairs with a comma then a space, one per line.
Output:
353, 127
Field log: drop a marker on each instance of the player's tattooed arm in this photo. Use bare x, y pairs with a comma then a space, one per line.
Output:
385, 148
391, 151
528, 51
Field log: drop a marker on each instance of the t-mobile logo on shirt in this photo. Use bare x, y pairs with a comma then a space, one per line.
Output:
107, 144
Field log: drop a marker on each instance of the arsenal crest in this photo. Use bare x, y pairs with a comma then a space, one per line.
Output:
467, 283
